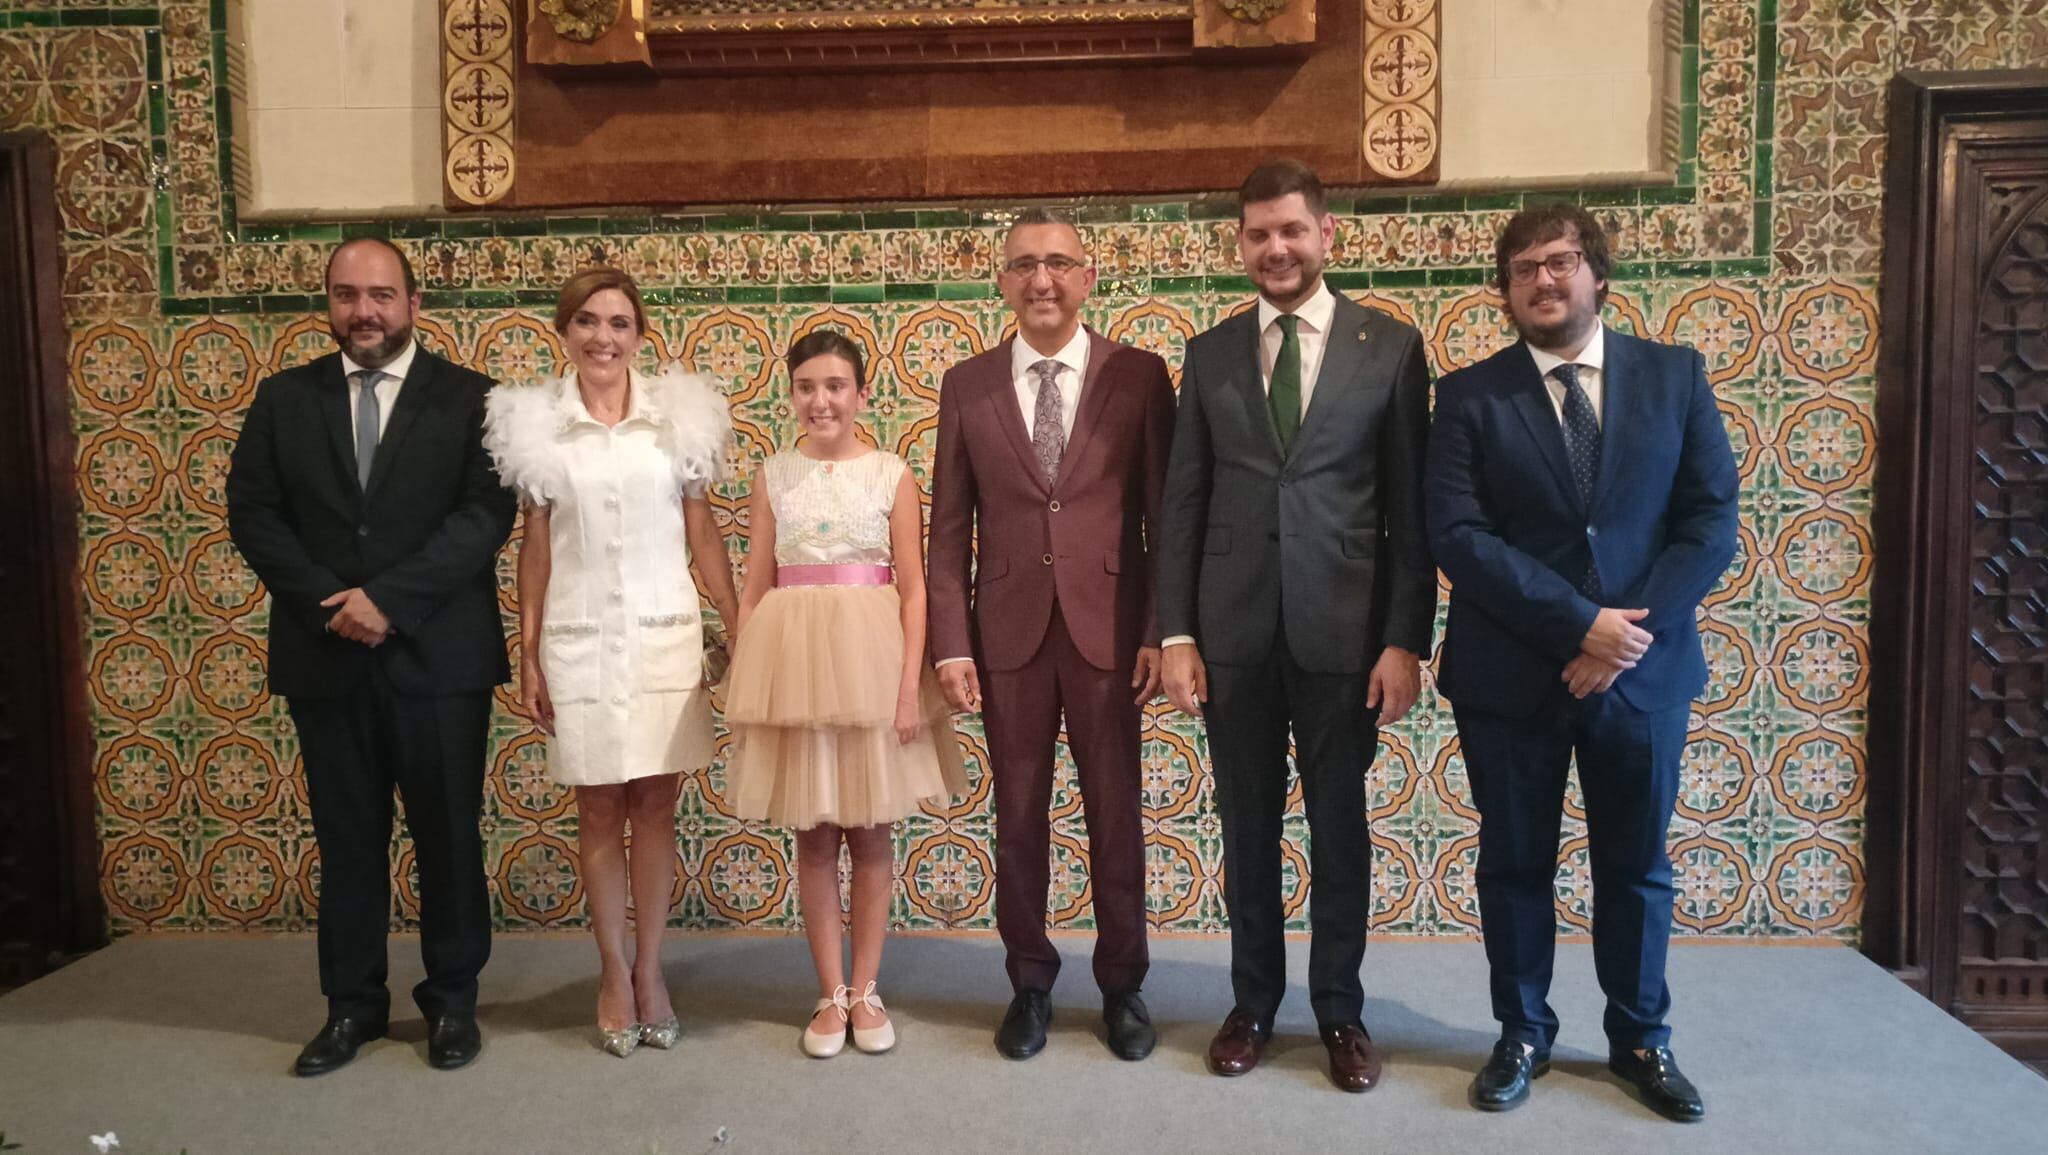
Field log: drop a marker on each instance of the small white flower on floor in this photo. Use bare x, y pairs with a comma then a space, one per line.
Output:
104, 1143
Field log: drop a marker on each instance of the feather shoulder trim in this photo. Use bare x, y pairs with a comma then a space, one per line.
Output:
521, 426
696, 426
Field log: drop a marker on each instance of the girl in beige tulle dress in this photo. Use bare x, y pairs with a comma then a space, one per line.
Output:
841, 729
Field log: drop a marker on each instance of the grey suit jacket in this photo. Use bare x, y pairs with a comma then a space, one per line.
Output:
1323, 545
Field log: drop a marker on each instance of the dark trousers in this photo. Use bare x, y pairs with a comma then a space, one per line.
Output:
1628, 772
357, 748
1021, 710
1335, 737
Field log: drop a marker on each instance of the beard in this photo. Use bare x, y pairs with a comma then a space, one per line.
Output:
1577, 323
379, 352
1288, 286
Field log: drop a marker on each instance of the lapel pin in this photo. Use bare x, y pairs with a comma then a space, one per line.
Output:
1361, 334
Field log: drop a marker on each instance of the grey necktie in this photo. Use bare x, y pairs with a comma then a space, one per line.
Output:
367, 415
1582, 446
1047, 435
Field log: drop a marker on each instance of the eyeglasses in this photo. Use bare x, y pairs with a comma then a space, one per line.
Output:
1059, 265
1561, 265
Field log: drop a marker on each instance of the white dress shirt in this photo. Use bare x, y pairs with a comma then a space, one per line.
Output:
1073, 359
1313, 333
387, 386
1590, 360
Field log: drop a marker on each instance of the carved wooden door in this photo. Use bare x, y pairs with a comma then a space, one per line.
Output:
1959, 712
49, 861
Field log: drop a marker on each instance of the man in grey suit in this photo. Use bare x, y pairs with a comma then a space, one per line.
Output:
1295, 587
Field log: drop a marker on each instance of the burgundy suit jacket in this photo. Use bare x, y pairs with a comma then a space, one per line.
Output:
1090, 538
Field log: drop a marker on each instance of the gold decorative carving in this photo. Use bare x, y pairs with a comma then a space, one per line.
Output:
1402, 73
802, 16
580, 20
478, 100
1253, 11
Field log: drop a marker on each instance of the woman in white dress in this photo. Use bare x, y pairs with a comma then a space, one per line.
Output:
612, 468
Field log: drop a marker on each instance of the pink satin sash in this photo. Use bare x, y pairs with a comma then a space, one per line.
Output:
834, 575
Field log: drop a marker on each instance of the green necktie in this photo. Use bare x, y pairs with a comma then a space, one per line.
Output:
1285, 394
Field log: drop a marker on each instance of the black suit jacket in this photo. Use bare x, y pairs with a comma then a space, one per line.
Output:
1323, 544
421, 542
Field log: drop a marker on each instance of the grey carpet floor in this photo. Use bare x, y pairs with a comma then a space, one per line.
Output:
183, 1042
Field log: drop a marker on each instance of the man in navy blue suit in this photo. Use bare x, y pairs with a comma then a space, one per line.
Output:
1580, 496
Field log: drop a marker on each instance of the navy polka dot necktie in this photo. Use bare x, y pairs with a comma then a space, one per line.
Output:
1582, 446
1581, 432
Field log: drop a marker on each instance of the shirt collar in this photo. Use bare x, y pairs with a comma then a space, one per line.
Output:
639, 405
1073, 355
1314, 312
398, 367
1593, 356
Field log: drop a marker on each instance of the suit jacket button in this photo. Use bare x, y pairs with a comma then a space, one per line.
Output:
1055, 507
1047, 559
362, 531
1592, 532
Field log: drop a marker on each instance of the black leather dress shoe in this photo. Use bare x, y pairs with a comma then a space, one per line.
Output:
1655, 1074
336, 1045
1022, 1034
452, 1041
1130, 1025
1503, 1083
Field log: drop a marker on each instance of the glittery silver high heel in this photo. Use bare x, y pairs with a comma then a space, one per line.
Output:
621, 1042
662, 1036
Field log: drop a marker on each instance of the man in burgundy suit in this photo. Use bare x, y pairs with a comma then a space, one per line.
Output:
1052, 456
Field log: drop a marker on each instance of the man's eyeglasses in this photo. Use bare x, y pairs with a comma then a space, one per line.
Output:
1059, 265
1561, 265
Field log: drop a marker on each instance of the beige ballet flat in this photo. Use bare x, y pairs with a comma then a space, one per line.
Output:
873, 1040
825, 1046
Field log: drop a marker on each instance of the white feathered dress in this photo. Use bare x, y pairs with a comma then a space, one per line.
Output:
621, 641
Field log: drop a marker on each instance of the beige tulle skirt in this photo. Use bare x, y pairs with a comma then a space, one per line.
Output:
811, 701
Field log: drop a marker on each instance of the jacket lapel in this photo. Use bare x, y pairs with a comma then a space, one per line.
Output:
1617, 410
334, 414
1000, 394
1531, 398
1343, 361
1251, 387
1094, 396
412, 399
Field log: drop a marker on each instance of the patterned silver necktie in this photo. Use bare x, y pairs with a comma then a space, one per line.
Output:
367, 414
1582, 446
1047, 435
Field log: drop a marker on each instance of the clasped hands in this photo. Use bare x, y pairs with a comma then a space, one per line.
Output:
1615, 643
357, 618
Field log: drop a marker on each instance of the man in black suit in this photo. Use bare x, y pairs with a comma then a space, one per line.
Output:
1295, 586
361, 494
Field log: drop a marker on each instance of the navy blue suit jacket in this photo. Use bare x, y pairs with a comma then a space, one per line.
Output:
1509, 530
